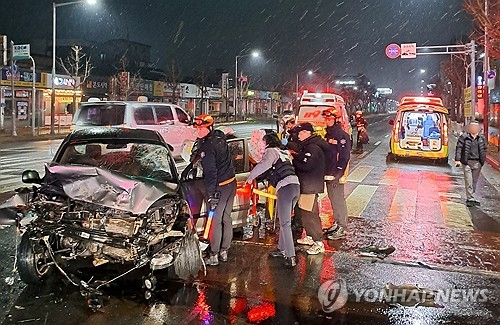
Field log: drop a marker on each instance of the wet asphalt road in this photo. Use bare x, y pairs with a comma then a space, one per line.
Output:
415, 206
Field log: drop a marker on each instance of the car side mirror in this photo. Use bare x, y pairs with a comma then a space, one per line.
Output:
391, 122
31, 177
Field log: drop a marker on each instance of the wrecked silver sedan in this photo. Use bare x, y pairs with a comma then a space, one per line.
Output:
110, 196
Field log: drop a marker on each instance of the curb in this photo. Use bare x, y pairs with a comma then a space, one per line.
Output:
493, 162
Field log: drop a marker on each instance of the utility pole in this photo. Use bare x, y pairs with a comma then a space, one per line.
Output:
473, 78
33, 98
13, 95
486, 96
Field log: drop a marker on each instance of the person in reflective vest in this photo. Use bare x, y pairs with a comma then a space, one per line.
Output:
276, 166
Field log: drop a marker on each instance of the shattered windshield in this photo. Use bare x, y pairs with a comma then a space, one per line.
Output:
131, 158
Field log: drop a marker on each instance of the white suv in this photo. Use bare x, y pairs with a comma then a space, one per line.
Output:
170, 120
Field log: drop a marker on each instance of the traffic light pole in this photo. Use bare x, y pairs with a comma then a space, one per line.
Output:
469, 48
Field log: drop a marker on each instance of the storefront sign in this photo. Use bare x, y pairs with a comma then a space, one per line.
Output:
63, 82
158, 88
213, 92
467, 95
96, 84
189, 90
23, 78
22, 94
146, 87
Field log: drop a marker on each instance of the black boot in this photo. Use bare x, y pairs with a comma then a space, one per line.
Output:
290, 262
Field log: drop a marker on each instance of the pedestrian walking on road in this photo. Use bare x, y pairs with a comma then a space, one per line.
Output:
276, 166
309, 164
220, 183
339, 154
471, 155
362, 136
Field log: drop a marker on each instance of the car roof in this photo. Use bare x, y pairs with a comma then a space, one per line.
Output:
100, 133
118, 102
422, 103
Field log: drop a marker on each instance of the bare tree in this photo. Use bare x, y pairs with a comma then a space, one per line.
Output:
173, 80
201, 81
77, 65
490, 22
124, 82
453, 71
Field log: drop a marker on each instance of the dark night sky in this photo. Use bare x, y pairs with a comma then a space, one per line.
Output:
340, 37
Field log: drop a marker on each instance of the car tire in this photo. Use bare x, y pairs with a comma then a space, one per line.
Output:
31, 261
189, 260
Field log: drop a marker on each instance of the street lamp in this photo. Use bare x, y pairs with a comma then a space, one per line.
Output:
309, 73
422, 71
254, 54
53, 94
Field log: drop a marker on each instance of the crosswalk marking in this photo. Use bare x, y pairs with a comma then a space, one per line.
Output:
390, 177
404, 205
358, 200
456, 215
359, 174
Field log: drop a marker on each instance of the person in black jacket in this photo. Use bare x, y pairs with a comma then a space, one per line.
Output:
220, 183
361, 126
471, 154
309, 164
339, 142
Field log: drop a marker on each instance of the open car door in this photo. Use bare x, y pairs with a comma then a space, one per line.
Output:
194, 187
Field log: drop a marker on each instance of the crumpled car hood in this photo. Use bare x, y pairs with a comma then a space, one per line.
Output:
103, 187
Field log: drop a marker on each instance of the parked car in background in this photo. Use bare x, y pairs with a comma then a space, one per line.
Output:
171, 121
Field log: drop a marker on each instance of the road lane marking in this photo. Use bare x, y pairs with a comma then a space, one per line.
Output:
387, 135
378, 142
359, 174
358, 200
404, 205
450, 195
456, 215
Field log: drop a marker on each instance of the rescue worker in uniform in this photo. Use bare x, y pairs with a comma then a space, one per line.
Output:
339, 142
361, 126
309, 163
276, 166
220, 183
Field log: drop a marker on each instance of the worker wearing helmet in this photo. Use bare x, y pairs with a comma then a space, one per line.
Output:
220, 184
339, 154
361, 125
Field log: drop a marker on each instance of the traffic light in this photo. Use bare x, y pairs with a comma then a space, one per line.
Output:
3, 49
479, 92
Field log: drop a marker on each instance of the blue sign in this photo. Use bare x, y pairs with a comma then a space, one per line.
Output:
492, 74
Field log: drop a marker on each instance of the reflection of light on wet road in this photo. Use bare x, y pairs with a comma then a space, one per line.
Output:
390, 177
404, 205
